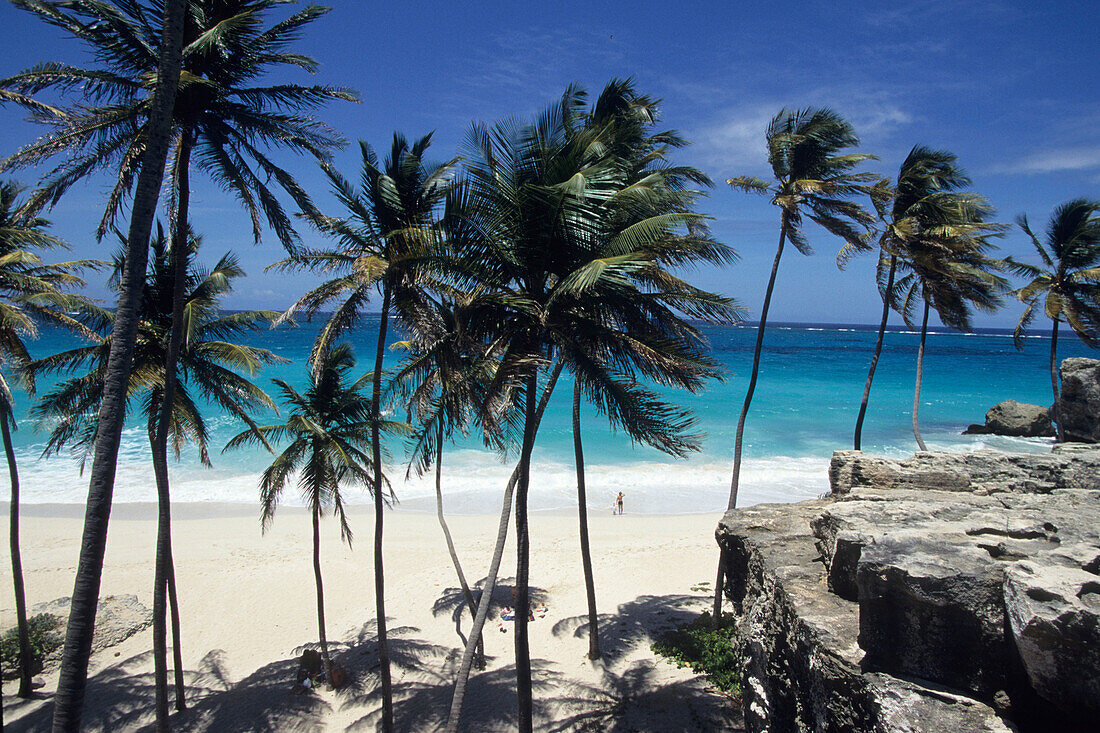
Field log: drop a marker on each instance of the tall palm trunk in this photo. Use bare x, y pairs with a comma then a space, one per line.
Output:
16, 559
878, 351
316, 512
379, 581
523, 562
920, 374
471, 604
454, 715
159, 441
582, 515
1054, 412
72, 682
719, 583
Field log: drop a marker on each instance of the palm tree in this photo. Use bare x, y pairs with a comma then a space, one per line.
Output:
220, 115
29, 291
1067, 286
206, 360
328, 427
815, 177
562, 279
382, 243
72, 681
947, 269
926, 193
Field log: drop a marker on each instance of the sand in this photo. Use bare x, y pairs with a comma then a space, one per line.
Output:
248, 607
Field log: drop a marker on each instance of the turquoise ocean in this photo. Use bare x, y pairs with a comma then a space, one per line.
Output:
805, 407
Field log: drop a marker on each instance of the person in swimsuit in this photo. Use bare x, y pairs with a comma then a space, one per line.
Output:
619, 503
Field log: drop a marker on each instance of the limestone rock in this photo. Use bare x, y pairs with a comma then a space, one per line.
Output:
1079, 402
984, 471
1018, 419
117, 619
1054, 613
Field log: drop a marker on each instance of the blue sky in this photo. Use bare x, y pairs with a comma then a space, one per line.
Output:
1009, 87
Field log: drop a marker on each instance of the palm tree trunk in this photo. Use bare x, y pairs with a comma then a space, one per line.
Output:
159, 439
523, 563
320, 593
878, 351
582, 515
16, 559
1054, 413
177, 653
379, 581
719, 583
160, 583
920, 374
72, 682
454, 715
467, 594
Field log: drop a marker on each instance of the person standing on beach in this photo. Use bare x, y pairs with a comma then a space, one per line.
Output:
619, 503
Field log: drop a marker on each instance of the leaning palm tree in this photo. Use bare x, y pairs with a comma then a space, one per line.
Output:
329, 429
815, 177
73, 678
207, 362
562, 281
383, 242
947, 269
923, 200
1067, 285
30, 291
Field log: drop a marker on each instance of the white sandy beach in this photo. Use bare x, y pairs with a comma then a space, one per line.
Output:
247, 607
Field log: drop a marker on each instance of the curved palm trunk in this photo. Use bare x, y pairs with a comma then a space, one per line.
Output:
920, 374
878, 351
454, 715
174, 616
1054, 412
379, 580
523, 563
320, 593
159, 443
582, 515
467, 594
72, 682
16, 559
719, 583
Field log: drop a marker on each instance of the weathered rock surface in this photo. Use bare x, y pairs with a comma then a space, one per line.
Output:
1017, 419
117, 619
929, 594
1079, 402
980, 472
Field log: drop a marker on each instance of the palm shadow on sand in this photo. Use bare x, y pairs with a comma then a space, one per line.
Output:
452, 602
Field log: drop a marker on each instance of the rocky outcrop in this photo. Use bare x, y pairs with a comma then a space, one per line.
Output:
979, 472
117, 619
1079, 402
945, 592
1016, 419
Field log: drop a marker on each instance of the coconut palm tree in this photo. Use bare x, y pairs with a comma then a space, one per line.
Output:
329, 430
220, 115
563, 280
923, 200
1067, 285
383, 242
815, 177
207, 361
30, 291
947, 269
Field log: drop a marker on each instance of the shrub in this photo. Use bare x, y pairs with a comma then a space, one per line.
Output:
706, 650
44, 638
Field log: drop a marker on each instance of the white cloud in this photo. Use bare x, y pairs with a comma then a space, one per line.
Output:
1058, 159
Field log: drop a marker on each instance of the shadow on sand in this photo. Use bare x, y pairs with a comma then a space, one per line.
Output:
624, 696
